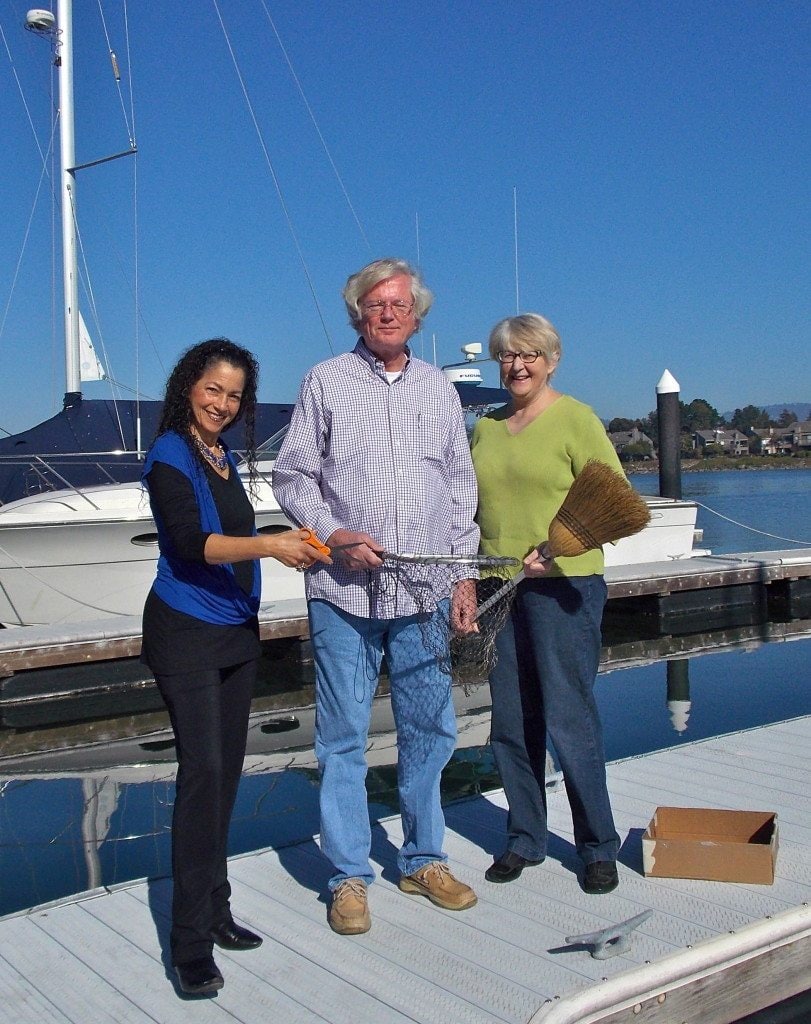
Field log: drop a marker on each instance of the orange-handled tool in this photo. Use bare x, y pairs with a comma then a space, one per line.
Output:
312, 540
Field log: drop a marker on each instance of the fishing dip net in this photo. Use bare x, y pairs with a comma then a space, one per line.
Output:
424, 585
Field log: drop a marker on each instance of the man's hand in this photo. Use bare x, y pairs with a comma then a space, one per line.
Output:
355, 550
464, 607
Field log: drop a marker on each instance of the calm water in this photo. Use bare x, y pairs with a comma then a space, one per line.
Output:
60, 835
765, 501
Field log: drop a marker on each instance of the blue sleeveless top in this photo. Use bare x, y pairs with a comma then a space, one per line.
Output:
207, 592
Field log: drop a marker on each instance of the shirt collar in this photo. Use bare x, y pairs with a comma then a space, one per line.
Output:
366, 354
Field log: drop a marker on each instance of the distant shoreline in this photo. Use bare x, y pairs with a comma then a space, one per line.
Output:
744, 462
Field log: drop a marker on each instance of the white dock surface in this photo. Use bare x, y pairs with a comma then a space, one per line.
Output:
103, 958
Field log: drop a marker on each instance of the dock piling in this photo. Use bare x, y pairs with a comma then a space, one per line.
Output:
669, 416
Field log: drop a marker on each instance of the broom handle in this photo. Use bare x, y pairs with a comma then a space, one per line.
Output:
510, 585
499, 594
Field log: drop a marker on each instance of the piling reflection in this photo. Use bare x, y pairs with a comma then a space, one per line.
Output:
678, 692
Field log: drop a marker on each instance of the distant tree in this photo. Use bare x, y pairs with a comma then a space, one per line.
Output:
786, 418
637, 450
749, 418
699, 415
650, 426
620, 423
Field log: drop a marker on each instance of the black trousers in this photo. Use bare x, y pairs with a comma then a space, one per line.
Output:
209, 712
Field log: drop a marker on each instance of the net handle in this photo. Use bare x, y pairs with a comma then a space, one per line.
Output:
435, 558
428, 558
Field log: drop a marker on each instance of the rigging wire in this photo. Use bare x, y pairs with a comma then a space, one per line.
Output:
51, 177
136, 242
117, 76
129, 121
86, 283
515, 246
130, 124
44, 173
315, 125
752, 529
43, 156
275, 179
26, 235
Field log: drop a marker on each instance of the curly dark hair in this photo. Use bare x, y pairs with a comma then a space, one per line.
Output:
189, 369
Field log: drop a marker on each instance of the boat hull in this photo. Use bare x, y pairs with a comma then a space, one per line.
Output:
70, 556
62, 560
669, 535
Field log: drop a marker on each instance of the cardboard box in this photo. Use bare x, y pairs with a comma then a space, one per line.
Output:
721, 846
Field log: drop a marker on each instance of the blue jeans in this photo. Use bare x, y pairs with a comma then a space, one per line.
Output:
348, 652
543, 683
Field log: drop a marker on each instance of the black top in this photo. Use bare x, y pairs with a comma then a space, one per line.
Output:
174, 642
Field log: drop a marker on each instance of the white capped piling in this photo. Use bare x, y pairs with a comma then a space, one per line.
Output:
669, 416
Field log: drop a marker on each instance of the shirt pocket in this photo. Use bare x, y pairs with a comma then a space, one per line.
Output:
428, 439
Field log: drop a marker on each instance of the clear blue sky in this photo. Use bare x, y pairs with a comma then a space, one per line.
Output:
660, 154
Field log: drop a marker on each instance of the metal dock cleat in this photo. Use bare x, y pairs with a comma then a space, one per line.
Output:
611, 941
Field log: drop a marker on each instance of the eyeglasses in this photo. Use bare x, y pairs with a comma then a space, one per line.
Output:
525, 357
399, 308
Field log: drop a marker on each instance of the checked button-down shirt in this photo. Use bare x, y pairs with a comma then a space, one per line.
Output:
388, 459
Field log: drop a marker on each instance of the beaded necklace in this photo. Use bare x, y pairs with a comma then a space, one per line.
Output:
219, 462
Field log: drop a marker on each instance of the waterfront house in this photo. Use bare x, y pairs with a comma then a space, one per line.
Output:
631, 444
801, 437
795, 439
773, 440
720, 442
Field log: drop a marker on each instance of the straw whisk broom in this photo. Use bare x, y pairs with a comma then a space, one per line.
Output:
600, 508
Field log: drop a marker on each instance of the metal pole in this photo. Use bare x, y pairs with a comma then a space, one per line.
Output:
68, 187
669, 417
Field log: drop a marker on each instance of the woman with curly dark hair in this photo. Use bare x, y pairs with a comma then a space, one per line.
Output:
201, 634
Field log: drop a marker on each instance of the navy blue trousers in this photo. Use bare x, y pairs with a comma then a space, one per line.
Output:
543, 685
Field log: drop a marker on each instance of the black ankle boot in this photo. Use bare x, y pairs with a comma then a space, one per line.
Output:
199, 977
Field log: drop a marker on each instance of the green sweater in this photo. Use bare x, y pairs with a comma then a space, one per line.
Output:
523, 478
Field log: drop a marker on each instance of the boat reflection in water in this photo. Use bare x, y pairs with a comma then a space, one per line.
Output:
99, 814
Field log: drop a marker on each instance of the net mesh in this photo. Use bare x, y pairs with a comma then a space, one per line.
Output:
428, 589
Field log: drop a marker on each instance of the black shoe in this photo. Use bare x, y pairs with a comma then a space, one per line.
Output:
230, 935
508, 867
601, 877
199, 977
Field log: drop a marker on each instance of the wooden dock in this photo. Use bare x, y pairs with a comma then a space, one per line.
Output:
45, 669
710, 951
120, 636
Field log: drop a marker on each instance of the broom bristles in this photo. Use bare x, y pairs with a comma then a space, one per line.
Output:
601, 507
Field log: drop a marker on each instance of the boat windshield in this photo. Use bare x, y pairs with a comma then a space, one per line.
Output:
270, 449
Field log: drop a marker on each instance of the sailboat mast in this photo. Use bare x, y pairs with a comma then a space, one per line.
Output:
67, 160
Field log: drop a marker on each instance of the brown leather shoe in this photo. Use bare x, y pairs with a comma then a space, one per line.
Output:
437, 883
349, 911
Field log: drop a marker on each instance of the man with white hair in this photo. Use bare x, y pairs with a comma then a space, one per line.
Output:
377, 459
